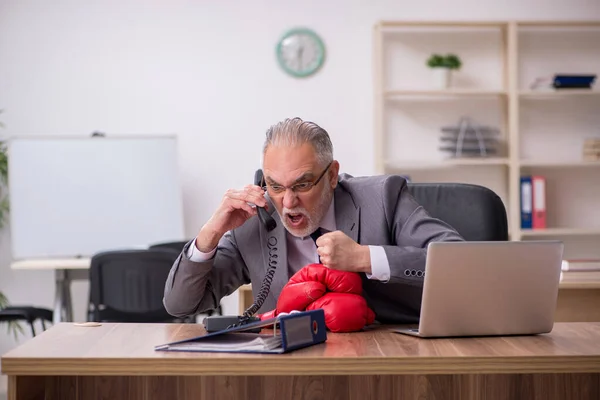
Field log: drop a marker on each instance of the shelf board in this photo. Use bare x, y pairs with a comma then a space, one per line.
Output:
399, 94
559, 164
559, 24
491, 24
560, 232
463, 162
442, 24
546, 94
579, 285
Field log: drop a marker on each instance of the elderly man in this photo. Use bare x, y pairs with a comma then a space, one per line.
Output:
368, 225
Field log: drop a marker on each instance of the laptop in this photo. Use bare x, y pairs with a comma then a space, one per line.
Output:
489, 289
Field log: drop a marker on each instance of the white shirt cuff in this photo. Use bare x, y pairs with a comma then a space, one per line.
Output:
196, 255
380, 266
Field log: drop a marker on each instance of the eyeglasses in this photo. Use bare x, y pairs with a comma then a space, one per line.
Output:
300, 187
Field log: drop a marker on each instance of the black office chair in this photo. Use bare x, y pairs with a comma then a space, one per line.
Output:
128, 286
476, 212
27, 314
178, 247
175, 246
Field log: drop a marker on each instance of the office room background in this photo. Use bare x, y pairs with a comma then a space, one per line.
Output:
207, 72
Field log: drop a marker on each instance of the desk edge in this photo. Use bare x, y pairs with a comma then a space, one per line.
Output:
286, 365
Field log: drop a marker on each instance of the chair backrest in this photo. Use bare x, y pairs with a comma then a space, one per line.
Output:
177, 246
476, 212
128, 285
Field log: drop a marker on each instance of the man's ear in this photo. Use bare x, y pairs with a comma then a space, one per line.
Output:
333, 172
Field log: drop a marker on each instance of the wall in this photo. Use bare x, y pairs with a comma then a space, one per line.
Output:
206, 71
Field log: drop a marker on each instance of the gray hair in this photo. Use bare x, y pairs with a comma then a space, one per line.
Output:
295, 132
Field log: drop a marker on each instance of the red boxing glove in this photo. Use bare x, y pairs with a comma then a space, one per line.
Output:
344, 312
333, 279
311, 283
297, 296
268, 315
338, 293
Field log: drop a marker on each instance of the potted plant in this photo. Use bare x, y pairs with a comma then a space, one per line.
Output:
13, 327
442, 67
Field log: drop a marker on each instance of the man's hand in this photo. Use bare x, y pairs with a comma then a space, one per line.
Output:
338, 251
233, 211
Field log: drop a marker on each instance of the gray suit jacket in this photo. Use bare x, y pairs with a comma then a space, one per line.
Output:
375, 210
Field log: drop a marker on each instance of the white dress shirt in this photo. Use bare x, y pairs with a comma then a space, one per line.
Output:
303, 251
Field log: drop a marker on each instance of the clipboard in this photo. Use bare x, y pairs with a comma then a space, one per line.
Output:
290, 332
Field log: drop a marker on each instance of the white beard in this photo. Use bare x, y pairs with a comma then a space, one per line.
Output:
313, 220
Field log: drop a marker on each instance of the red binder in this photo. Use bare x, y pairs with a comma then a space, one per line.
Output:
539, 202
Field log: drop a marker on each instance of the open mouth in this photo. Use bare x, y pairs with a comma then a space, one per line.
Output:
295, 220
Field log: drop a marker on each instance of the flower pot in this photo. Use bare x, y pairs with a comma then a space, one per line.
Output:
441, 77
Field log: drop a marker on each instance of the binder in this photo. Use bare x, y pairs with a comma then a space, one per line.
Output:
526, 202
539, 202
290, 332
573, 81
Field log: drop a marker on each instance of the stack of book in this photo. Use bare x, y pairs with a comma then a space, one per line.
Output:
580, 270
574, 81
591, 149
564, 82
468, 139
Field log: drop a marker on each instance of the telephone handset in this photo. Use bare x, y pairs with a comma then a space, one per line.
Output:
217, 323
265, 218
270, 224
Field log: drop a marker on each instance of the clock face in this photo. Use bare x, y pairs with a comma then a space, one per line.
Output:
300, 52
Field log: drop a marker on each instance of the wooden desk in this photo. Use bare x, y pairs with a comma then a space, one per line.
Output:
577, 301
118, 361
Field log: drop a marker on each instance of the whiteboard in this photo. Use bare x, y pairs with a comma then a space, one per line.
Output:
76, 196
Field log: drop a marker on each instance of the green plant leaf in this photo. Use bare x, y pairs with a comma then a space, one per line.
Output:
4, 209
435, 60
4, 206
3, 182
13, 327
3, 301
452, 61
16, 329
3, 162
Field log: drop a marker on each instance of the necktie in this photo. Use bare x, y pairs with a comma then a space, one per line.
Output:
315, 235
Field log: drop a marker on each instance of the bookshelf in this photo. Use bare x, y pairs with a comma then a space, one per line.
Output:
541, 131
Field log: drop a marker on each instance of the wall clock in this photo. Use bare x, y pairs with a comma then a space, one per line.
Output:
300, 52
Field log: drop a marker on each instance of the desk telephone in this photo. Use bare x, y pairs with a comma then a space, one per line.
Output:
217, 323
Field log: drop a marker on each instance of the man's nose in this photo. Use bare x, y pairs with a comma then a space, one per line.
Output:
289, 198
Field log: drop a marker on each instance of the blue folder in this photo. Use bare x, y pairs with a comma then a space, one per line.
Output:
526, 201
290, 332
